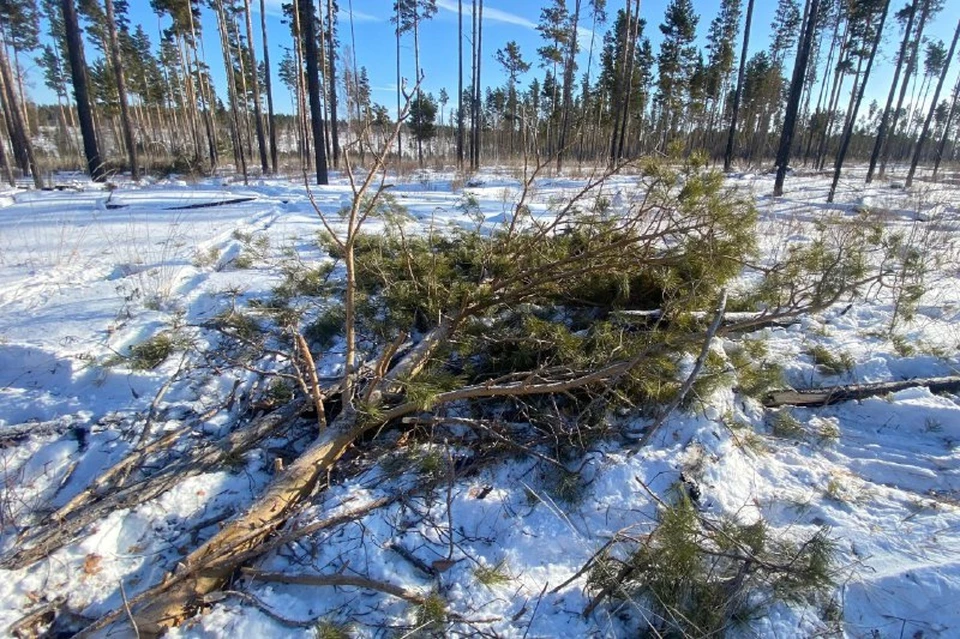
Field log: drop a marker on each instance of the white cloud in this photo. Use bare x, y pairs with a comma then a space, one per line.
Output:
495, 15
275, 7
358, 16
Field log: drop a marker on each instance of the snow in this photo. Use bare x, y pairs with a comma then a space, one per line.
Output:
88, 273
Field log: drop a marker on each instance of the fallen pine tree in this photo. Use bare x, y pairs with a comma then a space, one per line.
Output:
507, 323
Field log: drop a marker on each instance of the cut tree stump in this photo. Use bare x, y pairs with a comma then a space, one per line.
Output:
836, 394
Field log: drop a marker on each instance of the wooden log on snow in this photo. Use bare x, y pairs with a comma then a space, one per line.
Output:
17, 432
836, 394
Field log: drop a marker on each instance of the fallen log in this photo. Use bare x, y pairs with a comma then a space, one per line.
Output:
836, 394
338, 580
733, 321
16, 432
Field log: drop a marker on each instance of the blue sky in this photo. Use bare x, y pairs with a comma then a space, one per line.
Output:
504, 20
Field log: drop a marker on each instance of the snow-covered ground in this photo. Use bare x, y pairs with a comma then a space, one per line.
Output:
85, 274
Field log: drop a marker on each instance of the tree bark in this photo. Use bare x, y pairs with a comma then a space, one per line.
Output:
78, 70
738, 92
309, 25
118, 75
793, 101
933, 109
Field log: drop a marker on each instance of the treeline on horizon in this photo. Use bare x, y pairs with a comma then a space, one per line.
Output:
799, 101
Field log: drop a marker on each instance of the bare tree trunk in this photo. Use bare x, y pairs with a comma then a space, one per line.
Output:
7, 100
78, 69
946, 128
190, 98
474, 116
271, 120
911, 69
625, 98
122, 92
476, 89
257, 111
334, 124
852, 117
460, 84
4, 164
399, 91
568, 86
885, 117
207, 99
232, 91
834, 41
738, 92
793, 101
933, 108
831, 115
418, 74
243, 89
309, 25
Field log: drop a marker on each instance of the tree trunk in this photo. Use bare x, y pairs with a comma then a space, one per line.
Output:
852, 117
271, 120
568, 86
738, 92
257, 111
78, 70
885, 117
302, 121
334, 122
933, 108
399, 92
190, 99
834, 41
207, 101
19, 151
243, 90
122, 92
793, 101
625, 98
309, 25
476, 87
417, 73
911, 69
5, 165
460, 84
232, 92
473, 86
946, 129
